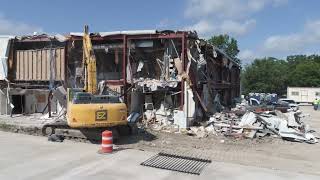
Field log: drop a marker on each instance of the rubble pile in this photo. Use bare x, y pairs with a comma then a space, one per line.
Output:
243, 121
288, 126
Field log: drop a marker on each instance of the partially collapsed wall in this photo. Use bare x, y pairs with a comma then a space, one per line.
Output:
36, 64
162, 75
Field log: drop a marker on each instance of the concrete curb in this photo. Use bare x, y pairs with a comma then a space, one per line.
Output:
36, 131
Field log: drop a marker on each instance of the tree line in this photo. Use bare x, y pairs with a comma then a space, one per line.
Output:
272, 75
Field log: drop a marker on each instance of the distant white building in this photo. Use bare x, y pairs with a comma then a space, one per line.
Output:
303, 94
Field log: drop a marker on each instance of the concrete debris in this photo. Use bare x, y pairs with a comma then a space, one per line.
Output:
285, 125
133, 117
140, 66
154, 84
242, 121
178, 65
248, 119
288, 126
199, 132
56, 138
292, 122
180, 119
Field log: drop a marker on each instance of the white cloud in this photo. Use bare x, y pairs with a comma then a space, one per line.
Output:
277, 3
202, 27
246, 55
305, 42
206, 28
9, 27
227, 8
237, 28
204, 8
255, 5
310, 35
225, 16
163, 23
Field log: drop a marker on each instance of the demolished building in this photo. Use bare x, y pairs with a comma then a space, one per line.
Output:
34, 66
169, 76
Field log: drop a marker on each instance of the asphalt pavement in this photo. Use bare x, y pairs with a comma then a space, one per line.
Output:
33, 157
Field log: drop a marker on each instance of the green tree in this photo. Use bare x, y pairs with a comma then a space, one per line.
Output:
306, 74
271, 75
228, 44
268, 75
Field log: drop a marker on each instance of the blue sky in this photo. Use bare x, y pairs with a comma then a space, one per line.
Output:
262, 27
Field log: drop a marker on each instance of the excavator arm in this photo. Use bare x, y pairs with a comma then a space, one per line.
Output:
89, 61
87, 109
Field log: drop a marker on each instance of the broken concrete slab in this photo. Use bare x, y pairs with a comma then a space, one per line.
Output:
200, 132
292, 121
248, 119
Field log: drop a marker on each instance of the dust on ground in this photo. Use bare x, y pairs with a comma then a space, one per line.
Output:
268, 152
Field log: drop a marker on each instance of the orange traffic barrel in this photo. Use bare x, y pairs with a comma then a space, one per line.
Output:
107, 142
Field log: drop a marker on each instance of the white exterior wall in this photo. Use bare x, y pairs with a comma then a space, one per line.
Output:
4, 106
4, 40
303, 94
35, 101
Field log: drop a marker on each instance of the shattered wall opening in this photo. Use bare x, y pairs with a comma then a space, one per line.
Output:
152, 71
154, 59
18, 102
154, 75
109, 59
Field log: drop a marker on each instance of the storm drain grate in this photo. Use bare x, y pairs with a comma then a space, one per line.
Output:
177, 163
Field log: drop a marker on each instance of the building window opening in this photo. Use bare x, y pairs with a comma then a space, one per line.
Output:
18, 101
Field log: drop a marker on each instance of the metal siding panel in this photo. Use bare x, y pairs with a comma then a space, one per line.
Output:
62, 63
58, 64
25, 65
17, 64
39, 70
34, 65
43, 64
48, 69
21, 65
30, 62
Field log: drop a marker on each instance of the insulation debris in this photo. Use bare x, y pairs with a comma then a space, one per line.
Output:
154, 84
288, 126
250, 124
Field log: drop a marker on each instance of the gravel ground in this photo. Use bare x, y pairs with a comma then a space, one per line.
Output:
268, 152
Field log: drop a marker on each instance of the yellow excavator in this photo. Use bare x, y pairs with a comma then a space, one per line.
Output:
87, 110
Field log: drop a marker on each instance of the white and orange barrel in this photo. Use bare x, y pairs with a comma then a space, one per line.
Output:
107, 142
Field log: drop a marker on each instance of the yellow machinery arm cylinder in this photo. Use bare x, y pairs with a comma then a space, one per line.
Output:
89, 60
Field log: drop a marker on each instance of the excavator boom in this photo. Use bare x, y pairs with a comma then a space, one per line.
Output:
88, 109
89, 61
